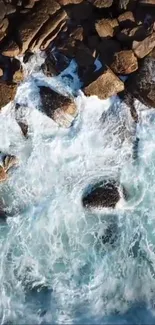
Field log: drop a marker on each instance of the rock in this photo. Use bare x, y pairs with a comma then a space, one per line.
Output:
143, 48
60, 108
9, 90
54, 64
124, 62
3, 174
9, 161
107, 50
49, 30
10, 8
147, 2
128, 35
127, 4
141, 84
11, 49
34, 22
3, 10
126, 20
77, 33
102, 195
68, 2
104, 28
20, 117
102, 3
83, 55
3, 28
80, 12
105, 85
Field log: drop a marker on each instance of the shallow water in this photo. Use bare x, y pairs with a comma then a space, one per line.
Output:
54, 267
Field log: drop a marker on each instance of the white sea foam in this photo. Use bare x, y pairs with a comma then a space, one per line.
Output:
53, 243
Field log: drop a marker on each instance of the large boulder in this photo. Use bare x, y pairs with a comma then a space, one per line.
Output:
104, 28
60, 108
104, 85
141, 84
125, 62
104, 194
143, 48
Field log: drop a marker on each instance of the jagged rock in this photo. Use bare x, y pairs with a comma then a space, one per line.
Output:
35, 20
9, 91
126, 20
104, 28
141, 84
102, 195
68, 2
143, 48
54, 64
3, 10
102, 3
60, 108
124, 62
49, 30
104, 85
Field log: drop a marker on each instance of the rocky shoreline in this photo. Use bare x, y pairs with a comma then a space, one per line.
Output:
119, 34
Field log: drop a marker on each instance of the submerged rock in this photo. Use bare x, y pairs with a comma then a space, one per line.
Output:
60, 108
102, 195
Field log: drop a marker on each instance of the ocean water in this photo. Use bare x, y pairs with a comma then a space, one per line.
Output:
54, 267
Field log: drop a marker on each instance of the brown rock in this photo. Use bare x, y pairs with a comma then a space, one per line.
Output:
34, 21
11, 49
10, 9
68, 2
126, 20
48, 28
3, 28
147, 2
105, 85
143, 48
104, 28
125, 62
102, 3
77, 33
2, 10
3, 174
60, 108
9, 91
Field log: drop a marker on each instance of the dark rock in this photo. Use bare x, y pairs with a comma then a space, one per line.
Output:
141, 84
102, 195
107, 50
3, 10
80, 12
60, 108
83, 55
124, 62
104, 84
128, 35
126, 20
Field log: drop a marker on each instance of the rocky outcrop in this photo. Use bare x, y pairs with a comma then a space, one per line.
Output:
102, 195
143, 48
104, 85
60, 108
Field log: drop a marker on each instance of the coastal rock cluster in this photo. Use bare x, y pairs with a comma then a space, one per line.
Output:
116, 35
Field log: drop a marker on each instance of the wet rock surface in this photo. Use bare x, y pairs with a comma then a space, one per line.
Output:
102, 195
